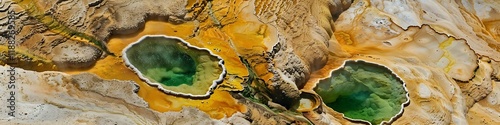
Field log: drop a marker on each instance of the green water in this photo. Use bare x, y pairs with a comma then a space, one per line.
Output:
362, 90
163, 60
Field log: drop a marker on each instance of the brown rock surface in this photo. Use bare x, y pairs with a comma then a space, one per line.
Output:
447, 52
57, 98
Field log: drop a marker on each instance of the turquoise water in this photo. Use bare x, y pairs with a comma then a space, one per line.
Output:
163, 60
362, 90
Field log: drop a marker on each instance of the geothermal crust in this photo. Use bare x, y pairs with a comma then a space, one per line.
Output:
58, 98
275, 53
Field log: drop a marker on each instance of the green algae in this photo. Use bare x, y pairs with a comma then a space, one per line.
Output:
254, 87
363, 91
163, 60
175, 66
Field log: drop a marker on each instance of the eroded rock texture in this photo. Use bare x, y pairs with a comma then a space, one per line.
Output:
57, 98
275, 52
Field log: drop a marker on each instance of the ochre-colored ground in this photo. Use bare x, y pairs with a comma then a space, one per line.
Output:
218, 29
219, 104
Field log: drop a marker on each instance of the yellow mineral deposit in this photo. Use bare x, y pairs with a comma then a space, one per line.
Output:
446, 52
27, 60
376, 35
219, 104
212, 38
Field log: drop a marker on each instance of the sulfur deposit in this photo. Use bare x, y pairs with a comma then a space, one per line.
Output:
250, 61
